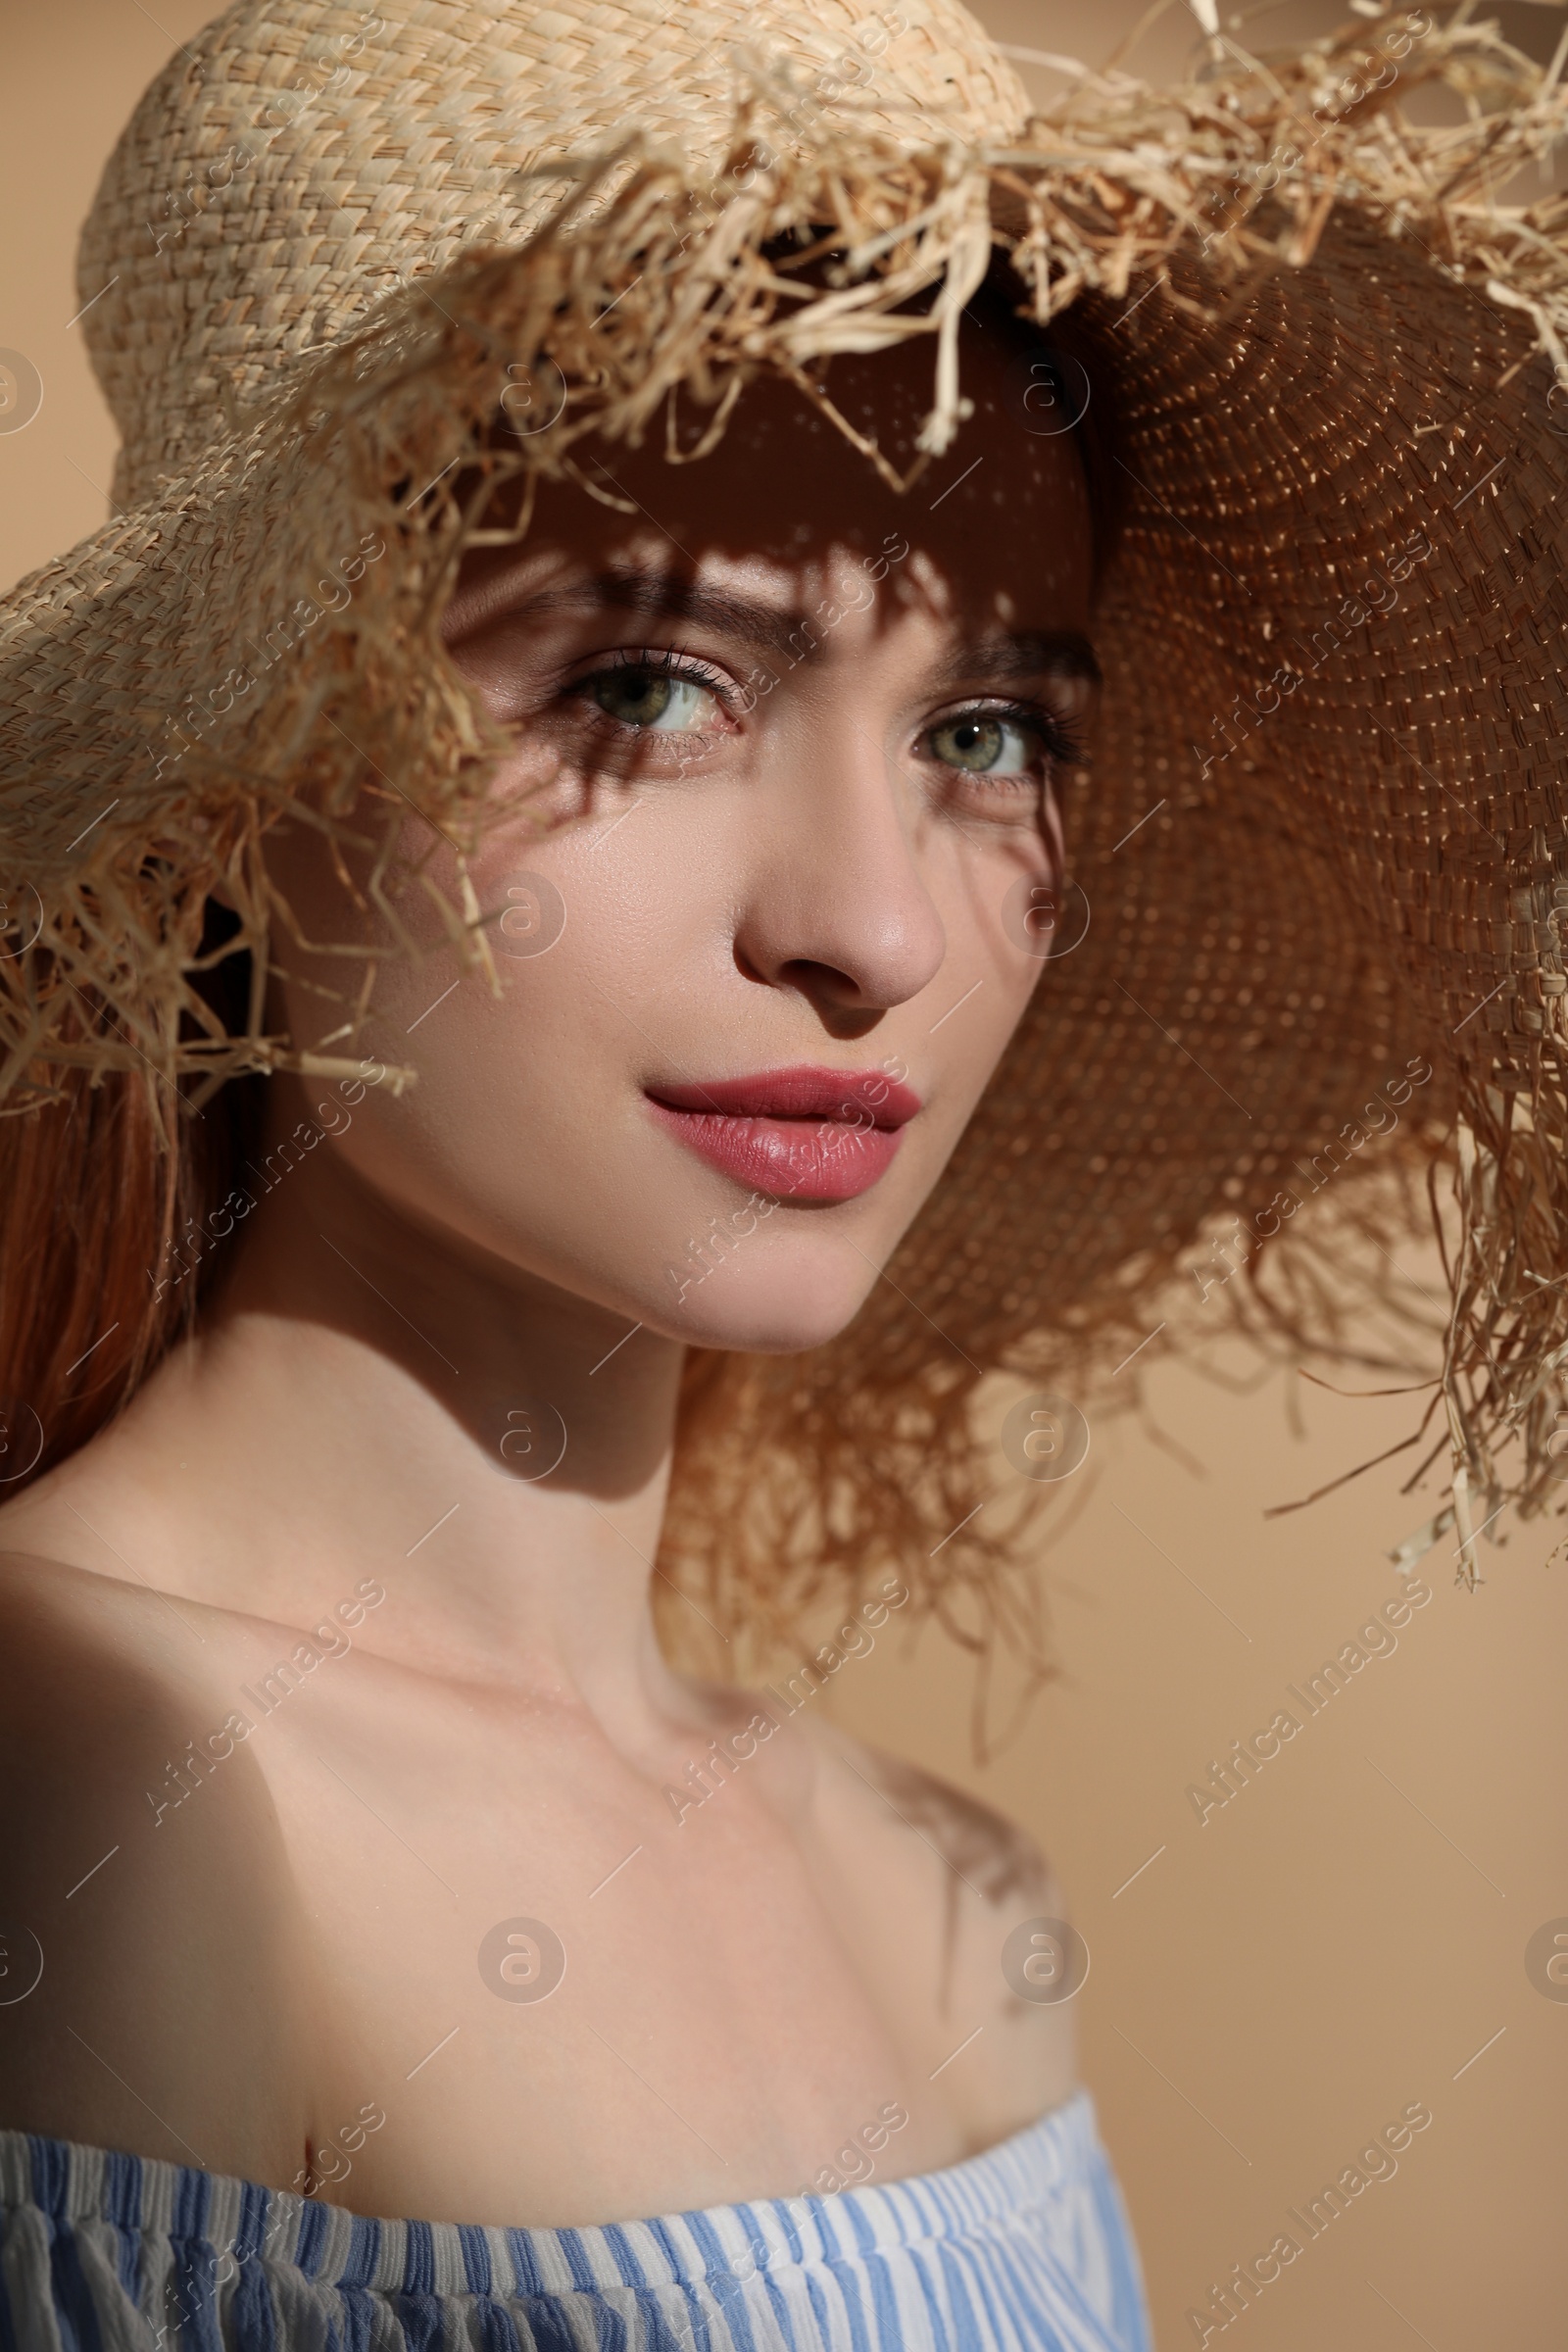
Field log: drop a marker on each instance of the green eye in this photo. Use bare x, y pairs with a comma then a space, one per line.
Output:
647, 699
983, 746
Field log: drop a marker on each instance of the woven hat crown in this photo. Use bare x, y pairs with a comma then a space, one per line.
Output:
1321, 835
299, 162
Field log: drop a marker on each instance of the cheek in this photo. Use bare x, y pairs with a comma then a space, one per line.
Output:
1001, 910
526, 1128
967, 1062
511, 1075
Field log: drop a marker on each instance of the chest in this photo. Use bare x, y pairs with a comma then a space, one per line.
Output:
547, 1990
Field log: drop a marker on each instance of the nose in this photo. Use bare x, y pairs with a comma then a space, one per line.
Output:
837, 907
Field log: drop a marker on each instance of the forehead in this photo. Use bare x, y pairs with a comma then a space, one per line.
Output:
998, 524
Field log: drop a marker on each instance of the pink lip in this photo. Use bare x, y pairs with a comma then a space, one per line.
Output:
804, 1134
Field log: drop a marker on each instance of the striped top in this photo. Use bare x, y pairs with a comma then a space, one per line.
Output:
1026, 2245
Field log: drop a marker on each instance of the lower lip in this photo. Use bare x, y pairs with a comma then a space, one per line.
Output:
790, 1160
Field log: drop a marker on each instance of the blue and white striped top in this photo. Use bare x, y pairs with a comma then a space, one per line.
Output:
1024, 2246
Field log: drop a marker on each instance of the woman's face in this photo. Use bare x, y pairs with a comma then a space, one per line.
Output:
792, 736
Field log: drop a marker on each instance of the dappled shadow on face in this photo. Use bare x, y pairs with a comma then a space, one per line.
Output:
999, 526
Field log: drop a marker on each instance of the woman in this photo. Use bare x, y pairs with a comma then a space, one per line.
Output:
577, 903
769, 901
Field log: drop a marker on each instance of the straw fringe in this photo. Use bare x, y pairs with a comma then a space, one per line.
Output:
654, 297
640, 287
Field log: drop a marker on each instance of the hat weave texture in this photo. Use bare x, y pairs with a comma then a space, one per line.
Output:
1322, 839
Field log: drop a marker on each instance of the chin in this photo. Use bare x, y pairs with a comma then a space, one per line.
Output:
769, 1310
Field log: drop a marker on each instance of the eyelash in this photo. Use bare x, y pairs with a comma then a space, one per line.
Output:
661, 662
1058, 737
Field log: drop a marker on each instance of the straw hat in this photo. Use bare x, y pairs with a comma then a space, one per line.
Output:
1321, 844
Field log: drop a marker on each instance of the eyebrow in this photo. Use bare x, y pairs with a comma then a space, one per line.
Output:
1010, 655
1003, 654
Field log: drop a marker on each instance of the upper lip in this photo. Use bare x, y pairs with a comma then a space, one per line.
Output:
805, 1090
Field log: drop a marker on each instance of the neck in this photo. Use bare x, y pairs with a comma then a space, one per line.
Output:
370, 1397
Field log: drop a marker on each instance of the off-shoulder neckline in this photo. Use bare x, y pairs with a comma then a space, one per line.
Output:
333, 2245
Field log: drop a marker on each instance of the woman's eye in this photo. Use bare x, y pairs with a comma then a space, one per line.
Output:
652, 701
986, 745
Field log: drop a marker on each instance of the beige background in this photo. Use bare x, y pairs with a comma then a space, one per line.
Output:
1278, 1983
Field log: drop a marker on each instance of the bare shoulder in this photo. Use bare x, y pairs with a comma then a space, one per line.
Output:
946, 1896
150, 1946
